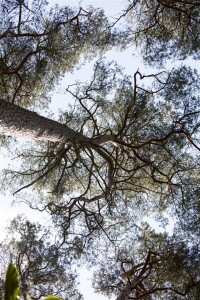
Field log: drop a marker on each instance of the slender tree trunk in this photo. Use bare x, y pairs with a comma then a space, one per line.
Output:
17, 121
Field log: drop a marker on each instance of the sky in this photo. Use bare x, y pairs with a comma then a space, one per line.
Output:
131, 64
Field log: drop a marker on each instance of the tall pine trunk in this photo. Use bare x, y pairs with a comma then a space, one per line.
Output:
17, 121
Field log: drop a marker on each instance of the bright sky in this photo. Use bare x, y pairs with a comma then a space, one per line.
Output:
131, 64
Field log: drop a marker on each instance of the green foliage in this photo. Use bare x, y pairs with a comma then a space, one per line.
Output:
12, 291
51, 298
11, 283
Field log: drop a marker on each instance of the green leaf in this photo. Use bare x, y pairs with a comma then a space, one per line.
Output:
12, 283
51, 298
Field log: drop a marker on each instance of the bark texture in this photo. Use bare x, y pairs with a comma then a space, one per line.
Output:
17, 121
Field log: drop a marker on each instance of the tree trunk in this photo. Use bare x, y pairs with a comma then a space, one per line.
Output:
17, 121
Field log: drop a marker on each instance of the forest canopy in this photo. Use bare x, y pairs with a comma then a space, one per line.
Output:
125, 149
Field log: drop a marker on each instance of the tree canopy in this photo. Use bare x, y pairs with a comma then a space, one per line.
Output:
154, 265
162, 29
126, 148
43, 269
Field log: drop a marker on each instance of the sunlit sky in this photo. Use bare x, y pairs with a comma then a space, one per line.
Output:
130, 63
